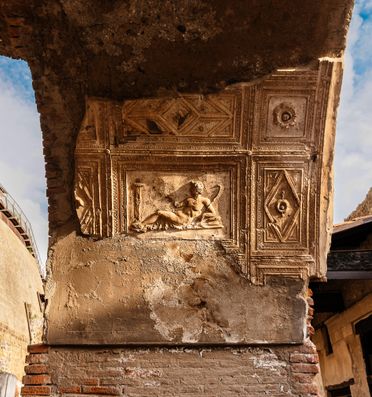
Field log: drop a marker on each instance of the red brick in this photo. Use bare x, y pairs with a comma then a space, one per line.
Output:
70, 389
36, 390
305, 368
153, 371
38, 348
36, 380
40, 358
303, 378
310, 328
307, 389
304, 358
36, 369
55, 190
106, 373
101, 390
90, 382
307, 347
15, 20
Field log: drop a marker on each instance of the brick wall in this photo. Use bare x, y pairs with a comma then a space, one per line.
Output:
13, 347
20, 281
145, 372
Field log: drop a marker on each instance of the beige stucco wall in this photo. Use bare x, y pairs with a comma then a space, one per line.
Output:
346, 361
19, 283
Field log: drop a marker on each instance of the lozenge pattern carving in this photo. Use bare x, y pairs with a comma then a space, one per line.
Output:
282, 206
188, 115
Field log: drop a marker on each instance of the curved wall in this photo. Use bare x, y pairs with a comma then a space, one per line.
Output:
20, 281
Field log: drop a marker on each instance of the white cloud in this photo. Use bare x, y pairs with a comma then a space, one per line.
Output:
353, 154
364, 4
21, 160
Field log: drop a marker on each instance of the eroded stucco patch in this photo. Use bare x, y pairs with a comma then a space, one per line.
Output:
167, 291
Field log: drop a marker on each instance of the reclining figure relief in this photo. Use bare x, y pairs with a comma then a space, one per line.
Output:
194, 212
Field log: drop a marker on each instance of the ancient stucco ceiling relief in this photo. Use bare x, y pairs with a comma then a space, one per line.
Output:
241, 167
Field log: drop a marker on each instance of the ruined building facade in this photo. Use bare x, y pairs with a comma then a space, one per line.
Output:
188, 151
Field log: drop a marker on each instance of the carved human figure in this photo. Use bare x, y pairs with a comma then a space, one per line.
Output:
194, 212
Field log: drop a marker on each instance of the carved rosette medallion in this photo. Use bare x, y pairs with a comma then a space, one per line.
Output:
235, 167
285, 115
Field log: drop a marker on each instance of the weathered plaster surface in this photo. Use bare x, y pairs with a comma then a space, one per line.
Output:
126, 290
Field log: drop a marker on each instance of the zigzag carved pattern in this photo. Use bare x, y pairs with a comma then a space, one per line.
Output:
189, 115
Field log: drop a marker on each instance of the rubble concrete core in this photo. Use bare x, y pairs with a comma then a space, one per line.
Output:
170, 292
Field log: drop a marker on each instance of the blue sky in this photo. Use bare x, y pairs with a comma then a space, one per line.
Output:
22, 164
17, 75
353, 152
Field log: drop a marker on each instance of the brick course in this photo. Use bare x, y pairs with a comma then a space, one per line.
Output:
39, 348
36, 369
36, 380
144, 372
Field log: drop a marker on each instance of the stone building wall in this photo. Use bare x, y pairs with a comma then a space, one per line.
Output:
337, 340
20, 281
346, 362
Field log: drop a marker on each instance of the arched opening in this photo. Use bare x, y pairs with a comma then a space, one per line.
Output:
23, 222
22, 169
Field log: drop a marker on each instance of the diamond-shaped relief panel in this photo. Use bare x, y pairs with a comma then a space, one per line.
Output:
282, 207
212, 107
179, 116
223, 130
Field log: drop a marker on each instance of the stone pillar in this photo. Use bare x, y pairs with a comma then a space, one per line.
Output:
202, 219
187, 213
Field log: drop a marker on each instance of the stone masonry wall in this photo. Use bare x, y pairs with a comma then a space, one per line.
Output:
134, 372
